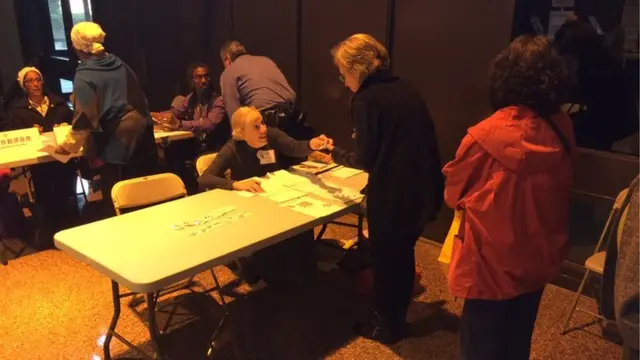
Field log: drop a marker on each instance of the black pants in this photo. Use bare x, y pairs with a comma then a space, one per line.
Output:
180, 158
285, 263
54, 186
291, 121
394, 271
498, 329
111, 174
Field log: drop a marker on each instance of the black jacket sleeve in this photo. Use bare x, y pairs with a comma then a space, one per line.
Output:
366, 120
213, 176
287, 145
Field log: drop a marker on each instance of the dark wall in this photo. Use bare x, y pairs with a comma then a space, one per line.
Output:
323, 25
269, 28
158, 40
448, 58
608, 13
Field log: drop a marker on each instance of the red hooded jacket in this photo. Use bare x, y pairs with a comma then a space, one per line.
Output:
511, 177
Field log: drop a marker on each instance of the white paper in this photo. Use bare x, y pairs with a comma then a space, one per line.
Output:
312, 207
331, 191
270, 185
245, 194
345, 172
287, 179
51, 150
61, 133
284, 196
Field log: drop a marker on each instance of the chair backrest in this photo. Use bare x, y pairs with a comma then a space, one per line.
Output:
203, 162
614, 215
146, 191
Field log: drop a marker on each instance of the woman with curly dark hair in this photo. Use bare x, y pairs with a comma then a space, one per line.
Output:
511, 179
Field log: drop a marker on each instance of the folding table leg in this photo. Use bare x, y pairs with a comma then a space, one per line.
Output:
360, 226
153, 328
115, 291
212, 344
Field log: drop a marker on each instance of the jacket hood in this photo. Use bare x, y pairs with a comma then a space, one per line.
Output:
109, 62
520, 140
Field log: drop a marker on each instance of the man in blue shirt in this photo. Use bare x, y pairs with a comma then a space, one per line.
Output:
250, 80
256, 81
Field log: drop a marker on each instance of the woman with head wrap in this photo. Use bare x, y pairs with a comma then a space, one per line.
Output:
111, 119
53, 183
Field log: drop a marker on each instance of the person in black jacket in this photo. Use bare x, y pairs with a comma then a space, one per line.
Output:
254, 151
396, 145
54, 183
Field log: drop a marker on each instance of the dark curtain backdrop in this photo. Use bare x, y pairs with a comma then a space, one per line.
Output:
443, 47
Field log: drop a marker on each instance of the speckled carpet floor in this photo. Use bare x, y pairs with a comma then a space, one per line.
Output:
54, 307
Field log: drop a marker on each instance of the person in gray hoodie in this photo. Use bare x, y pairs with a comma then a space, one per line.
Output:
111, 115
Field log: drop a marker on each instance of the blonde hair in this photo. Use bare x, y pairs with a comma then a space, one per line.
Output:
240, 118
361, 54
88, 37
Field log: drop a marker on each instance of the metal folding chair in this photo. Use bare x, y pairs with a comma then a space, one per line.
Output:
595, 263
135, 194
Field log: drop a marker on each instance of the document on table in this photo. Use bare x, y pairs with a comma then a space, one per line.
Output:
284, 196
345, 172
330, 191
51, 150
311, 206
287, 179
313, 167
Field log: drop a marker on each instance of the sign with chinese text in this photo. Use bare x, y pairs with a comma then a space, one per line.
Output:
27, 139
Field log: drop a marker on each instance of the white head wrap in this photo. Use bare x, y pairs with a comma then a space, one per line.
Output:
23, 72
88, 37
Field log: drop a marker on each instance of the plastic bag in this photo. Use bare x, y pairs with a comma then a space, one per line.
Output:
447, 248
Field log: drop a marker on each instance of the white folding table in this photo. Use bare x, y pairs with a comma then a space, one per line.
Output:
142, 251
14, 159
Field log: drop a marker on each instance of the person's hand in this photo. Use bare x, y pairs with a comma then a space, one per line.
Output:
320, 157
320, 142
38, 127
61, 150
250, 185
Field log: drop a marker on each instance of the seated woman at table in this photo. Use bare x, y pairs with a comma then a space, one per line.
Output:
253, 152
54, 183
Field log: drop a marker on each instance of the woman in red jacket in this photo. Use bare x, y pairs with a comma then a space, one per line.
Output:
511, 178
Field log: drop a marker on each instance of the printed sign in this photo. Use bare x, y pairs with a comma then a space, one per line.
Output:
20, 139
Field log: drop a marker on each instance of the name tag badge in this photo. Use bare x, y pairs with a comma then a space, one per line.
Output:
267, 157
